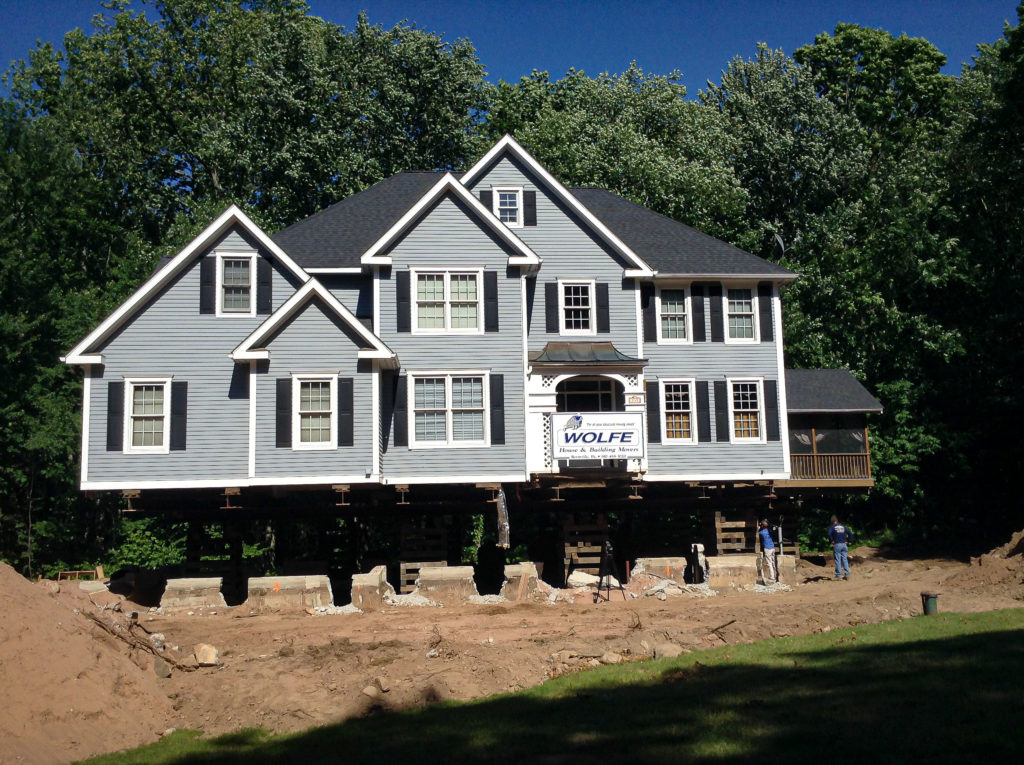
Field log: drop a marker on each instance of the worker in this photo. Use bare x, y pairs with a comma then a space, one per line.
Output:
839, 535
770, 570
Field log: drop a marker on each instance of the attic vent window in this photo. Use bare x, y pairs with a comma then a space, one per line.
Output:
235, 278
508, 206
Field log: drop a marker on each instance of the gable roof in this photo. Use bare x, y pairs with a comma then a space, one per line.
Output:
827, 390
338, 235
251, 348
232, 216
671, 247
509, 145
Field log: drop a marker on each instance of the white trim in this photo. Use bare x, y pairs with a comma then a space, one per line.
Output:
338, 270
591, 285
217, 483
781, 384
520, 213
688, 304
447, 184
509, 143
701, 277
298, 378
375, 423
759, 476
755, 313
376, 299
451, 478
220, 257
448, 375
639, 311
129, 386
86, 414
252, 418
446, 300
526, 357
230, 217
691, 383
761, 425
249, 349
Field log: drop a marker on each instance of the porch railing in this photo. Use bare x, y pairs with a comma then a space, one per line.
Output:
832, 467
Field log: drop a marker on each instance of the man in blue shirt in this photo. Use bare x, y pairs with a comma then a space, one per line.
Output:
770, 572
839, 535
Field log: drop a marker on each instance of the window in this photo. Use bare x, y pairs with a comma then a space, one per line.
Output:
678, 422
448, 409
447, 301
508, 206
147, 406
235, 294
576, 308
673, 316
314, 419
745, 410
741, 315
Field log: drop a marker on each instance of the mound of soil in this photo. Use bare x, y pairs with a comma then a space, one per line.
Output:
69, 689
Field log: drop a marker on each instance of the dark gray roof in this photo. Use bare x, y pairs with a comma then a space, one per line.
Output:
827, 390
585, 353
671, 247
338, 235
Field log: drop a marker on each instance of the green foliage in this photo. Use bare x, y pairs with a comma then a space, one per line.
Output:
148, 543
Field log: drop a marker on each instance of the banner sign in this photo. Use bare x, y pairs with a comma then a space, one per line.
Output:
597, 435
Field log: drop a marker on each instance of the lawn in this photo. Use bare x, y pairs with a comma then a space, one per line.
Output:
929, 689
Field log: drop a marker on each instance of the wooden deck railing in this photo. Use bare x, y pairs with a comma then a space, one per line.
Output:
831, 466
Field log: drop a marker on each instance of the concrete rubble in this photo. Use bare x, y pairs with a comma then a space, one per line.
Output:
206, 655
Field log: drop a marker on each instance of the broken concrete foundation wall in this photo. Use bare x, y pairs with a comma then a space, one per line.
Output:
269, 594
740, 570
446, 584
370, 590
520, 581
204, 592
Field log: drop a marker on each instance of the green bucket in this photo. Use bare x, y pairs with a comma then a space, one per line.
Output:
930, 603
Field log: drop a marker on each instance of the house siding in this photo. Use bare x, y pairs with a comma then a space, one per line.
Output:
169, 337
450, 236
313, 341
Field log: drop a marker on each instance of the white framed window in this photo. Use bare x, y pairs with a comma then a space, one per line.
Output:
508, 206
576, 307
147, 407
448, 302
236, 280
448, 409
674, 320
740, 315
678, 422
314, 411
746, 410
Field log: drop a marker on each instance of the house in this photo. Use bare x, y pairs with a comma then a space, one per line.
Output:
444, 334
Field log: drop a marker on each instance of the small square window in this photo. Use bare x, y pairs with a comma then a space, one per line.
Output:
508, 206
235, 294
577, 308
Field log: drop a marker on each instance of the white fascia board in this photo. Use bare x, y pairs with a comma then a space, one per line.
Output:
776, 279
219, 483
447, 184
230, 217
338, 270
709, 478
249, 349
509, 143
454, 479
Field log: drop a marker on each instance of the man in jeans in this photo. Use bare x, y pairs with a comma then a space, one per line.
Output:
839, 535
770, 572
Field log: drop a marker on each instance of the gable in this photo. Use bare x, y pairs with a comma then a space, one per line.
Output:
448, 231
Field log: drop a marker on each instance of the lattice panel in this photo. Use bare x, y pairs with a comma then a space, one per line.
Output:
547, 381
547, 441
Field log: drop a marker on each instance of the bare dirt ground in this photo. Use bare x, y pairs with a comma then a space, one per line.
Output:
71, 689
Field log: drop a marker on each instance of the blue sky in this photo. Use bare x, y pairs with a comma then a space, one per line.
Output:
514, 37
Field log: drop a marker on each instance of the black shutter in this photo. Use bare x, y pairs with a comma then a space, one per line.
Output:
603, 319
284, 413
490, 301
721, 412
401, 427
179, 414
700, 332
487, 199
653, 390
264, 287
404, 319
346, 412
115, 416
764, 309
717, 322
647, 306
703, 412
239, 385
529, 208
497, 409
208, 285
551, 307
771, 409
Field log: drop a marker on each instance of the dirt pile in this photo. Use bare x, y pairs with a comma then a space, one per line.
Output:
69, 689
1002, 566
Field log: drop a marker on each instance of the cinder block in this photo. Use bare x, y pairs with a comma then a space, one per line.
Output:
369, 590
446, 584
282, 593
520, 581
203, 592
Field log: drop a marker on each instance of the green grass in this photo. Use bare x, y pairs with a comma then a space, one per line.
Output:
930, 689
